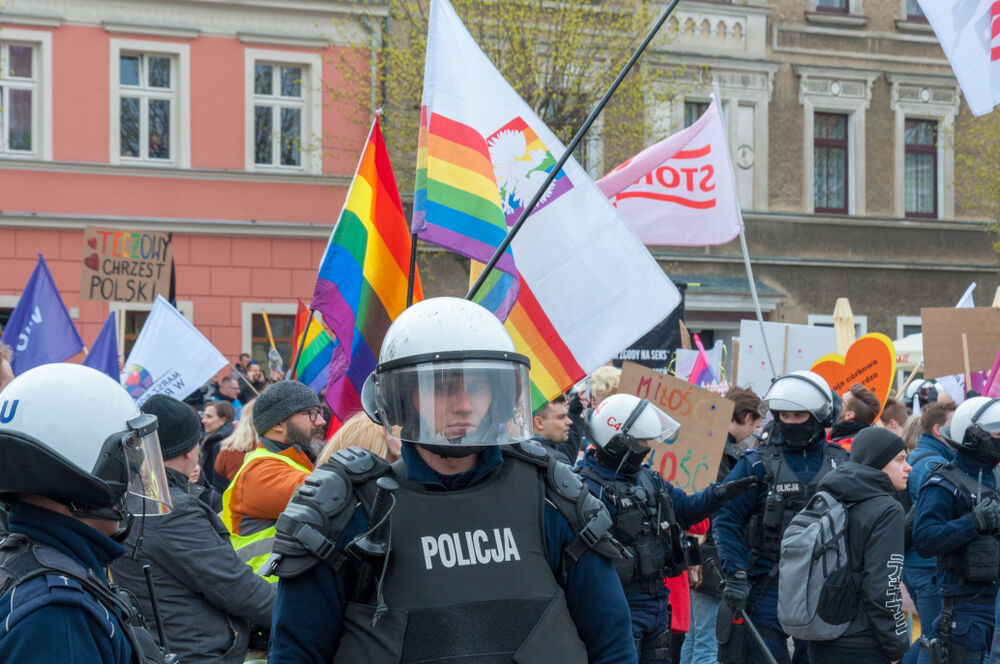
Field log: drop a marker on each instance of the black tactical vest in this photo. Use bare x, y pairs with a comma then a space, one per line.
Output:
638, 524
468, 579
22, 559
784, 498
979, 560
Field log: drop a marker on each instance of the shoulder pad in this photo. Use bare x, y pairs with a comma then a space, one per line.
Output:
587, 516
57, 590
359, 463
527, 450
561, 479
317, 514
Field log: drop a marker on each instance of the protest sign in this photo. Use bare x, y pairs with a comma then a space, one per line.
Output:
871, 361
793, 347
124, 265
690, 460
943, 328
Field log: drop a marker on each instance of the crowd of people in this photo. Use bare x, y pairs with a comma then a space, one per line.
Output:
449, 522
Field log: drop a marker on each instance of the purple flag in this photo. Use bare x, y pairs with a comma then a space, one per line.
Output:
103, 354
40, 330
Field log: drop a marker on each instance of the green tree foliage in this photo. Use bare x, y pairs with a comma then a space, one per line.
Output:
977, 178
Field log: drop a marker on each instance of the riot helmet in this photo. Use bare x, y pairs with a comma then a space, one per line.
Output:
448, 376
975, 428
74, 435
624, 429
801, 392
926, 391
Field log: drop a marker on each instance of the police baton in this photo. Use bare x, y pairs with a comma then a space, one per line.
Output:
711, 562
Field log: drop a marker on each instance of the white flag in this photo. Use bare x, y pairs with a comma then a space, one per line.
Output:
681, 190
170, 356
969, 33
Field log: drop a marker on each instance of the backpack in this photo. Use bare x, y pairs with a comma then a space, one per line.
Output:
816, 595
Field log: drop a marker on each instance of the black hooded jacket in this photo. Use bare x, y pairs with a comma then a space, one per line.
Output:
875, 538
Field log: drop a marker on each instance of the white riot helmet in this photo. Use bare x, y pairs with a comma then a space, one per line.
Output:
624, 428
975, 428
802, 392
72, 434
449, 377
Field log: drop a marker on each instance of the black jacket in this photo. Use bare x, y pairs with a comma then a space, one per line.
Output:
565, 452
207, 595
875, 539
209, 451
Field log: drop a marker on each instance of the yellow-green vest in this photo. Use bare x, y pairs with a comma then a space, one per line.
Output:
255, 546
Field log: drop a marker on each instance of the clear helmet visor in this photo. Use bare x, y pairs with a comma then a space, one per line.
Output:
653, 427
456, 402
133, 459
796, 395
989, 418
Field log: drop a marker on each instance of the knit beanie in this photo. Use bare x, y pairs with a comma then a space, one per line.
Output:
178, 426
279, 401
876, 447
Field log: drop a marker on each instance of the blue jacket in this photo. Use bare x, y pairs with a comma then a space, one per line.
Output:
730, 522
929, 451
309, 609
689, 510
943, 522
51, 619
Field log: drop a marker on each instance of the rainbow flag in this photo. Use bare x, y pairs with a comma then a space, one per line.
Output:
362, 280
576, 286
313, 365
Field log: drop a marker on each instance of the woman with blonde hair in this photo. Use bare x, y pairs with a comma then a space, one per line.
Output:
359, 430
233, 448
603, 383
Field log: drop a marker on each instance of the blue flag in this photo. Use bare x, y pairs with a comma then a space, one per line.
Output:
40, 329
103, 354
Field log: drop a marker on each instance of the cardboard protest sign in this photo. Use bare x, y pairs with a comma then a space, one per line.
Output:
793, 347
942, 329
871, 361
125, 265
690, 461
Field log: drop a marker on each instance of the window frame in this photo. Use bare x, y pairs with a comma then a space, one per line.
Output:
834, 143
312, 114
826, 320
696, 101
41, 121
180, 55
120, 309
250, 309
912, 18
846, 10
917, 149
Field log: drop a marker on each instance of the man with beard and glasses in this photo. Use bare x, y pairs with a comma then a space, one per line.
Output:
289, 422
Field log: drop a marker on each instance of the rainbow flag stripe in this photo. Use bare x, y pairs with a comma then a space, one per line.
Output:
313, 365
456, 203
362, 280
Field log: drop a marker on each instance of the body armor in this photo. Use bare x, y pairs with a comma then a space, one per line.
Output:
786, 495
979, 560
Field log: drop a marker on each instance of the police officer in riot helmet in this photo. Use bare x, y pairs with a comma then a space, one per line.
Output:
649, 513
73, 448
475, 546
788, 465
957, 520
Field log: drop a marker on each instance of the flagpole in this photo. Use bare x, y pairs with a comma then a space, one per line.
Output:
302, 342
756, 302
413, 269
529, 208
243, 378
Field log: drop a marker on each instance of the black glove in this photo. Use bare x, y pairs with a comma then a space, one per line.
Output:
736, 591
986, 516
729, 490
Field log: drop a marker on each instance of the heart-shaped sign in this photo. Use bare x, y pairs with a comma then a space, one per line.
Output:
92, 243
92, 262
871, 361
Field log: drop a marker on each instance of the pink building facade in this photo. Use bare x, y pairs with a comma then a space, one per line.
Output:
212, 121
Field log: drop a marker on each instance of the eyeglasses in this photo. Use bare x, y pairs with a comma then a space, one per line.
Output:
315, 413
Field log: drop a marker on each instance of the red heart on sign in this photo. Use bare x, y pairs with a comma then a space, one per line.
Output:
92, 262
92, 243
871, 361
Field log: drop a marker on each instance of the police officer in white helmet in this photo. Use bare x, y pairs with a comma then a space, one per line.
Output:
74, 449
490, 551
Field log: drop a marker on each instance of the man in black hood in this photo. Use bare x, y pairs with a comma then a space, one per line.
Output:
866, 486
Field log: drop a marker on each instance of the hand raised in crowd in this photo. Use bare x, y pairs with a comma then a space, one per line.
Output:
729, 490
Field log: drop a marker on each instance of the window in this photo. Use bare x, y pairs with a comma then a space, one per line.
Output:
693, 110
826, 320
19, 90
150, 103
134, 320
920, 168
130, 318
283, 329
832, 6
914, 11
146, 106
283, 112
830, 162
907, 325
